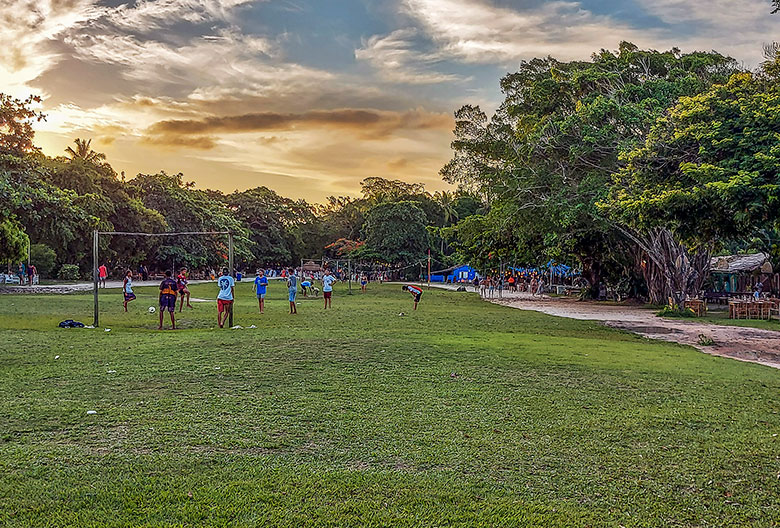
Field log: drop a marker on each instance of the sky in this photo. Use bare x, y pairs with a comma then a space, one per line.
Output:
309, 97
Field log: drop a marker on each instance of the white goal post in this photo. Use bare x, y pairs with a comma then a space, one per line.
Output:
95, 248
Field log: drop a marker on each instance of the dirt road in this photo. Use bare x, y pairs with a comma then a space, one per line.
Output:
744, 344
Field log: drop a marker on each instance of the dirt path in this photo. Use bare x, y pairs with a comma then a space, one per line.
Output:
744, 344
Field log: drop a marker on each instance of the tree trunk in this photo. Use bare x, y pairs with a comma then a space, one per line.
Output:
672, 271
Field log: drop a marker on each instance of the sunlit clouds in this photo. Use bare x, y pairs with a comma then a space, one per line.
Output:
310, 97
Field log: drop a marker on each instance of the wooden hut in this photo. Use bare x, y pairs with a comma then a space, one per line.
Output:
738, 274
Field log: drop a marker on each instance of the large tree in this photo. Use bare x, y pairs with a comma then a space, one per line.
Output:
395, 232
547, 155
707, 176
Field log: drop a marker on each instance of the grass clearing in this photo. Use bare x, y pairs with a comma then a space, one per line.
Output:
463, 413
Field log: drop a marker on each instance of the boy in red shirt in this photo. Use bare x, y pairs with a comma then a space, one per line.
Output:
415, 291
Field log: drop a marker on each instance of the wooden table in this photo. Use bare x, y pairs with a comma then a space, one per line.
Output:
697, 305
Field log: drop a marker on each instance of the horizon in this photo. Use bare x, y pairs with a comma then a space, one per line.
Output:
309, 99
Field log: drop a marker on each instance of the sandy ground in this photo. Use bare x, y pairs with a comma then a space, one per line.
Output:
745, 344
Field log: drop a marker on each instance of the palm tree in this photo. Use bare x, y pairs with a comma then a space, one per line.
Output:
446, 200
84, 152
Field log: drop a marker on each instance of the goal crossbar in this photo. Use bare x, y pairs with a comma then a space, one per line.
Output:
95, 248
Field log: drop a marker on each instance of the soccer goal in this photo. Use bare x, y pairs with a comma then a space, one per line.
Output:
95, 263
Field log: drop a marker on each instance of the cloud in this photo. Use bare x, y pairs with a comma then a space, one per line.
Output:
476, 31
369, 124
480, 32
196, 142
28, 28
397, 59
738, 31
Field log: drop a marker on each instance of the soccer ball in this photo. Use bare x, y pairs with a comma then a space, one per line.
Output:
152, 309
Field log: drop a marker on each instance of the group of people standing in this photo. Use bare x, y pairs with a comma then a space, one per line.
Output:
489, 285
27, 274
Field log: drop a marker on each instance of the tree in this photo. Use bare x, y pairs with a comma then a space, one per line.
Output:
395, 232
274, 224
84, 152
44, 258
188, 209
708, 174
546, 157
16, 120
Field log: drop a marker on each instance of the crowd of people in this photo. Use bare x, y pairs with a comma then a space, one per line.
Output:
491, 285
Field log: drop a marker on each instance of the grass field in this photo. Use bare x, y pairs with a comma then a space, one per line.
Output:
461, 414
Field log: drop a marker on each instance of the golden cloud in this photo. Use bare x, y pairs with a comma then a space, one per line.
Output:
369, 124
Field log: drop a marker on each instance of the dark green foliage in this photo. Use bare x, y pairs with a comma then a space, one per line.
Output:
395, 232
710, 168
69, 272
44, 258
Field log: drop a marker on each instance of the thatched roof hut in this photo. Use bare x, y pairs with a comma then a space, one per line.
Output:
751, 263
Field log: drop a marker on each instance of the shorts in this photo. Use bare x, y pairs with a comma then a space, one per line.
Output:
129, 296
168, 302
417, 297
292, 294
327, 295
363, 283
222, 305
183, 291
261, 295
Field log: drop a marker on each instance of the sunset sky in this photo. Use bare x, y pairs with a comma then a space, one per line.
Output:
308, 97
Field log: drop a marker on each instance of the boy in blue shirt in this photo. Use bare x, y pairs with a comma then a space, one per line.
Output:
292, 290
327, 288
261, 283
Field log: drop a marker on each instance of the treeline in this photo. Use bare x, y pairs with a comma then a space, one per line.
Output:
637, 166
56, 203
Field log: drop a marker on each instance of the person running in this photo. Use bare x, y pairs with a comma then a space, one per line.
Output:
363, 282
102, 275
261, 283
167, 299
227, 286
181, 284
415, 291
327, 288
292, 290
127, 288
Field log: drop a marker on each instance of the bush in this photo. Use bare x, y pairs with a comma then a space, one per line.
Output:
43, 258
68, 272
668, 311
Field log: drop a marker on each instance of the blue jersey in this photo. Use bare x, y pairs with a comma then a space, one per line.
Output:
260, 284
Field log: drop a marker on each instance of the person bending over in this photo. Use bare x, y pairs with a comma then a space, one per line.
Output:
415, 291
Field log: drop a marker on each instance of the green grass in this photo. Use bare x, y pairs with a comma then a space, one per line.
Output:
461, 414
721, 317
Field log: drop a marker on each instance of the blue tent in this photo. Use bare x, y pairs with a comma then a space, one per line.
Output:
462, 274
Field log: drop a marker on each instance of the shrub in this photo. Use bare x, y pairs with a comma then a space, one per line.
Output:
668, 311
44, 258
68, 272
